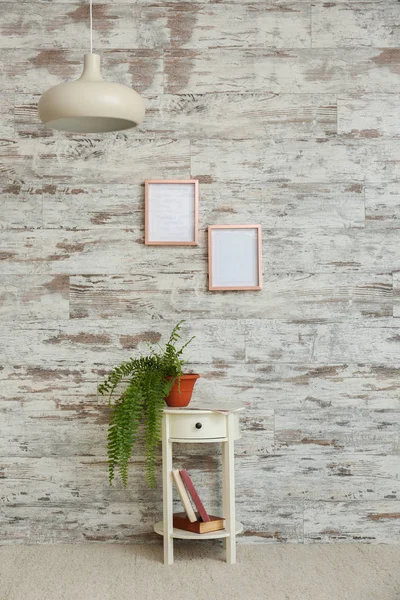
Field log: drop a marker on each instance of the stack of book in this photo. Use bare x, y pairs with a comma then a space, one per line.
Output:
197, 522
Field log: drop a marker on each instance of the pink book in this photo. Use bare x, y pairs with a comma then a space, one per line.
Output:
195, 497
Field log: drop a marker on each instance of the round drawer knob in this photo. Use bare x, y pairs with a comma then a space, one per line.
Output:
199, 425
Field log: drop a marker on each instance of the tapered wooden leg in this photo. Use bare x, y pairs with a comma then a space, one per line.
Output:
224, 496
167, 493
228, 495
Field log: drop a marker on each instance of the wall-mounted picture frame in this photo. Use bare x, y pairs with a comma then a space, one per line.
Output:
234, 257
171, 212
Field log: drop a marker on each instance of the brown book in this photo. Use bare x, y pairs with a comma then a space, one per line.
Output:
195, 497
180, 521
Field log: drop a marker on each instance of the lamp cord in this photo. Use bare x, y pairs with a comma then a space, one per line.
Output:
91, 26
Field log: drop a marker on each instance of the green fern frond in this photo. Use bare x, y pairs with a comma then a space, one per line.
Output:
149, 379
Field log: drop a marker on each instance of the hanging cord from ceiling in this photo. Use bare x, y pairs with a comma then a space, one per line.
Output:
91, 25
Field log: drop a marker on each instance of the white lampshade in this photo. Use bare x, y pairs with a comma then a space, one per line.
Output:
90, 104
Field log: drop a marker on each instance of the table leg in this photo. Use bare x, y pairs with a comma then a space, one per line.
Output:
225, 507
228, 495
167, 493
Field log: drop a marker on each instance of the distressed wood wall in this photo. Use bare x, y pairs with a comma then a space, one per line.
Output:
288, 113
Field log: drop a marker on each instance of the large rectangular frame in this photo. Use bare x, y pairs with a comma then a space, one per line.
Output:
195, 183
212, 287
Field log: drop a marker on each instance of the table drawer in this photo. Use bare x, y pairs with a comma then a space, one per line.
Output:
201, 426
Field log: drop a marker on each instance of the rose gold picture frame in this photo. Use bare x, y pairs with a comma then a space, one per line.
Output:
164, 220
245, 259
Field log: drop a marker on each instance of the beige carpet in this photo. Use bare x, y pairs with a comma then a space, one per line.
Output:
267, 572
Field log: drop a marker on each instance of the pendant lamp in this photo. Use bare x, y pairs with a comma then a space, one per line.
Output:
90, 104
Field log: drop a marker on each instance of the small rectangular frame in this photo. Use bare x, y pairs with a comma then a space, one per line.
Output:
173, 223
239, 255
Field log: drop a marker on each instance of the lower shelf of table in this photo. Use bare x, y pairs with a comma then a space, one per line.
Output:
189, 535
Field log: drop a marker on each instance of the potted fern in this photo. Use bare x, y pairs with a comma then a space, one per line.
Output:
149, 380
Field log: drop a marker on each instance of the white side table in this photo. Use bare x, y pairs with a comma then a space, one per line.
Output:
186, 425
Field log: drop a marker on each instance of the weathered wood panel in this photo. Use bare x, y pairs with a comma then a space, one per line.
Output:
257, 25
324, 251
69, 482
212, 160
258, 431
369, 116
279, 341
89, 522
376, 341
306, 474
303, 161
241, 115
82, 207
228, 2
104, 343
340, 430
355, 24
94, 250
382, 205
35, 70
300, 296
21, 207
277, 205
284, 205
286, 386
114, 159
46, 388
7, 103
282, 522
396, 294
34, 297
283, 71
86, 207
368, 522
66, 432
190, 25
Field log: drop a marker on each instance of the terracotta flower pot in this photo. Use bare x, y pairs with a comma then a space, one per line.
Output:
182, 390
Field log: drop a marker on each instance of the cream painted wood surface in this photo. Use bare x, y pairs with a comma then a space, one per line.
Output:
287, 113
